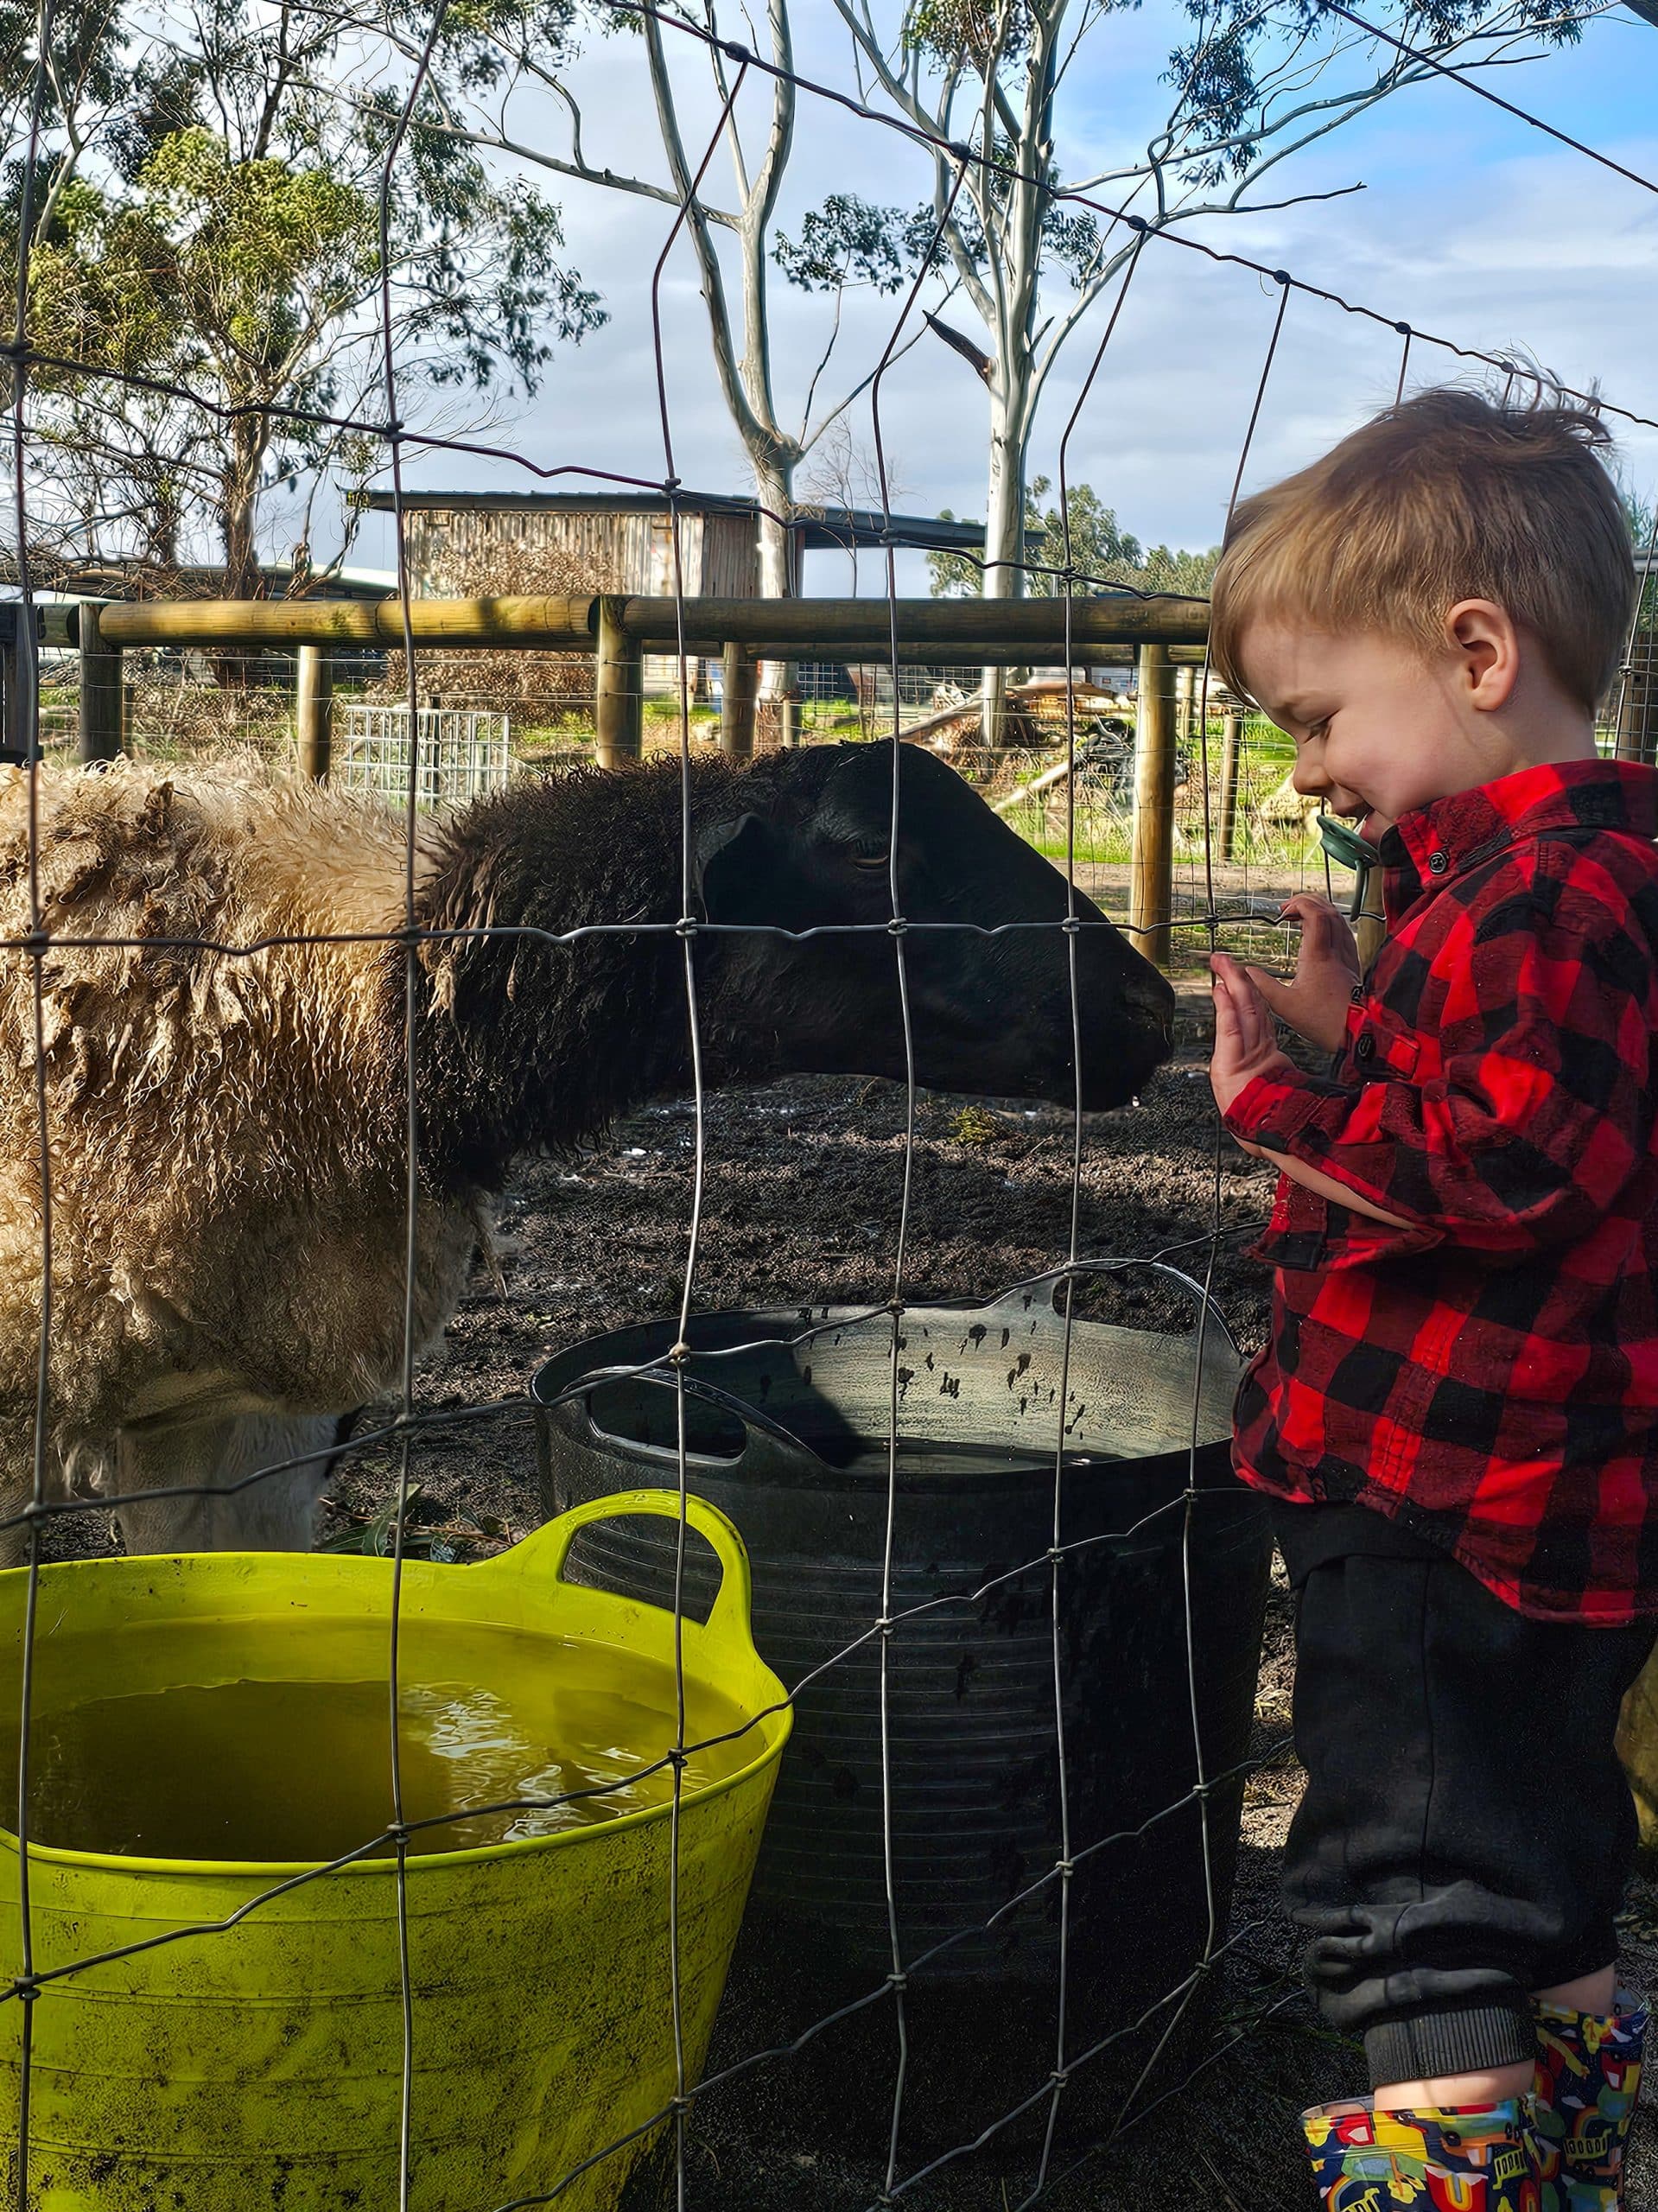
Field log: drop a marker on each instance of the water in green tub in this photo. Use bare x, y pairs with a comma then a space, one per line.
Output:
210, 1749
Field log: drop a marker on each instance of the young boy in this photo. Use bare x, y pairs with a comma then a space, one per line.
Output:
1456, 1413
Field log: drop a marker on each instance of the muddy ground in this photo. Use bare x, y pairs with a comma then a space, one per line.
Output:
803, 1190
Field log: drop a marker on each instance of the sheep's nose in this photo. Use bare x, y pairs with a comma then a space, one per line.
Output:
1150, 998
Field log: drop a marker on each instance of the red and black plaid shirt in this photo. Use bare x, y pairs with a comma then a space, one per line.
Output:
1488, 1374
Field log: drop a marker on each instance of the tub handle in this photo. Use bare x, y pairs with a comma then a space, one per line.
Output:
728, 1616
769, 1450
1208, 1311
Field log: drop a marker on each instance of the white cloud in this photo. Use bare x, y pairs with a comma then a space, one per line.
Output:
1471, 228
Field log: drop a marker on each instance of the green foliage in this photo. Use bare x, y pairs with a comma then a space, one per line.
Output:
975, 1126
1228, 70
1641, 515
849, 242
204, 230
1102, 555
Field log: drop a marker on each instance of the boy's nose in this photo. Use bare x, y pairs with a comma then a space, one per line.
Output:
1308, 778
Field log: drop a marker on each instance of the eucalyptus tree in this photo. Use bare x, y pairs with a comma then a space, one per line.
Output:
1035, 253
986, 89
215, 231
731, 223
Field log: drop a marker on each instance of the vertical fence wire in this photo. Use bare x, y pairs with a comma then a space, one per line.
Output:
394, 435
27, 728
899, 927
1072, 925
687, 929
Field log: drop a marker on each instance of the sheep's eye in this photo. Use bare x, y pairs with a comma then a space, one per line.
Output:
870, 852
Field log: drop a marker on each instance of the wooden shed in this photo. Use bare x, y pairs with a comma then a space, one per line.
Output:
463, 543
608, 542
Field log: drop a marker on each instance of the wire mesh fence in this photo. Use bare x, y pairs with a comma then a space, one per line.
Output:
450, 755
1076, 2024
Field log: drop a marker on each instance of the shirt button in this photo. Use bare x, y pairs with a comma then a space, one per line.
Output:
1366, 1046
1438, 864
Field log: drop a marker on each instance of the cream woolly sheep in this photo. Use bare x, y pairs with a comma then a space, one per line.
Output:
226, 1134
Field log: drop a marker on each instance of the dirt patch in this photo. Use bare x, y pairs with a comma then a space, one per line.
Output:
801, 1197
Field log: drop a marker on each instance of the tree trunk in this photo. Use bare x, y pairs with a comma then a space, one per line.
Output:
238, 520
1004, 542
774, 489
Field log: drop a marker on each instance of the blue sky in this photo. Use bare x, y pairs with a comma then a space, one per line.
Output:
1471, 225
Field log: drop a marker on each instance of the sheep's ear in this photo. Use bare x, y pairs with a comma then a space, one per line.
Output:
733, 864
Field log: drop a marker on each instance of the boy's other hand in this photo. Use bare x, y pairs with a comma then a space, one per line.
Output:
1246, 1043
1315, 999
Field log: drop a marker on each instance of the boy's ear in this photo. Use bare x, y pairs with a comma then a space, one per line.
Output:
1486, 640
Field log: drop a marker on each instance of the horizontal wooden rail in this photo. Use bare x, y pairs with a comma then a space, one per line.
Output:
561, 625
958, 629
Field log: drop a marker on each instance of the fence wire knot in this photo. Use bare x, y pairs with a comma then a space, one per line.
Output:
898, 926
1059, 2077
680, 1354
686, 925
26, 1987
898, 1982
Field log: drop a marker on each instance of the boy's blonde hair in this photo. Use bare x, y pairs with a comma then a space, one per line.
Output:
1447, 496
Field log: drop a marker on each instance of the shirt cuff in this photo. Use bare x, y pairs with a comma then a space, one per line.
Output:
1273, 1109
1277, 1112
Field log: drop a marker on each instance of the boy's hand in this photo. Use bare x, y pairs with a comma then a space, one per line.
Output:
1315, 999
1246, 1045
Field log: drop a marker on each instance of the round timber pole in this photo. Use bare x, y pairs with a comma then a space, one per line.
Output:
314, 712
618, 690
1231, 743
1184, 703
1637, 704
739, 675
101, 688
1150, 886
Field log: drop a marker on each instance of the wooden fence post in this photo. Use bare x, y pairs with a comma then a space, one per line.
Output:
1231, 741
618, 689
101, 688
1638, 711
739, 676
1151, 889
314, 712
11, 719
1184, 704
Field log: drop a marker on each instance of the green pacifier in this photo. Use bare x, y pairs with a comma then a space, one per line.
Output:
1345, 845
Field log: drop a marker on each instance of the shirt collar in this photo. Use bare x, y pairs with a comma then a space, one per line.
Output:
1441, 840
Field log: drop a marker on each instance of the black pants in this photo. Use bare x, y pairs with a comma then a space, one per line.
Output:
1467, 1830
